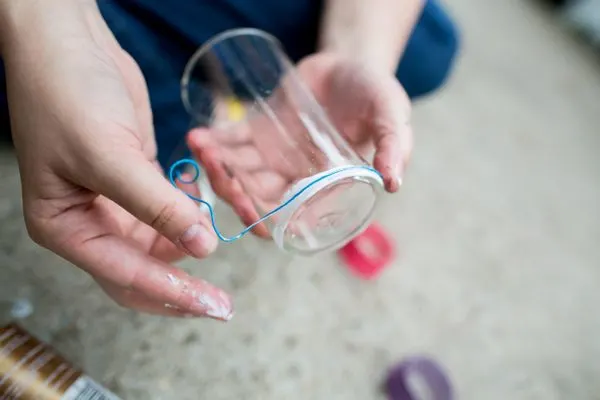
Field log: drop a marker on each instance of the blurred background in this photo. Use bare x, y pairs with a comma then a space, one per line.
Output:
498, 239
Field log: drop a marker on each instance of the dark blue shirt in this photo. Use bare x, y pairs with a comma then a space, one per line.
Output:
161, 35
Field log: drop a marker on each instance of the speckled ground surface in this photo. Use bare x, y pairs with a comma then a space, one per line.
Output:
498, 231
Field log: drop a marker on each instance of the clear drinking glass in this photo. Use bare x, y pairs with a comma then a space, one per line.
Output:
271, 135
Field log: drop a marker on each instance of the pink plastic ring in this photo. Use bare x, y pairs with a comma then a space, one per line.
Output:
367, 254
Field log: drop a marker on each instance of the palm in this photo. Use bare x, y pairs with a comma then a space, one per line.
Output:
353, 99
75, 211
105, 215
92, 190
348, 94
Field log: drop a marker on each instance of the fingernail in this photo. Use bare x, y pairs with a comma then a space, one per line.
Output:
198, 241
218, 307
399, 174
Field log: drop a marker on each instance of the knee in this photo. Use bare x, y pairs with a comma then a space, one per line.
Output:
431, 52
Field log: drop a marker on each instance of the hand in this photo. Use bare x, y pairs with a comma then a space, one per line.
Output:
92, 190
370, 110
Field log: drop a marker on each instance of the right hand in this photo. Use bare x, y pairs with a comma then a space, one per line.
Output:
92, 190
367, 106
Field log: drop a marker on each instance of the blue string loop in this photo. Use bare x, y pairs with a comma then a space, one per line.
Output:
175, 175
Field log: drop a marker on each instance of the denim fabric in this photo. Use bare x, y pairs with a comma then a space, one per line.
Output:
161, 35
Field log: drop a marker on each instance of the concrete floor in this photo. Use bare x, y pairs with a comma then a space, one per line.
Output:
498, 231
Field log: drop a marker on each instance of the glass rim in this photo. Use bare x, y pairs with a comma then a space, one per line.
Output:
207, 46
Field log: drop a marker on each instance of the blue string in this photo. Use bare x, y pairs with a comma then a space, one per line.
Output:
175, 174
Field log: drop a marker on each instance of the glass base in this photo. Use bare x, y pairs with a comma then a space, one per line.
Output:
331, 216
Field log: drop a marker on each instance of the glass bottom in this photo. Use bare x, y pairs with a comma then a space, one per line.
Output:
332, 216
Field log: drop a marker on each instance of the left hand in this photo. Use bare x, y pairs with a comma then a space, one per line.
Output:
370, 109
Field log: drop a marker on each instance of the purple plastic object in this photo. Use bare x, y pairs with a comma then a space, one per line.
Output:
397, 385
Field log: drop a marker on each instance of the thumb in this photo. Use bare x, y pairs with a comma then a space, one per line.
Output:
136, 184
392, 133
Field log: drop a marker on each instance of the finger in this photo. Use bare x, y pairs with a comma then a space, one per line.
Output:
122, 264
267, 188
406, 146
221, 178
133, 182
145, 236
136, 301
392, 133
230, 190
224, 166
165, 250
187, 184
224, 184
245, 210
388, 157
239, 135
153, 242
242, 156
162, 248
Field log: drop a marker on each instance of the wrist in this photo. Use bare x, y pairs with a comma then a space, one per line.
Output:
373, 34
373, 56
20, 19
